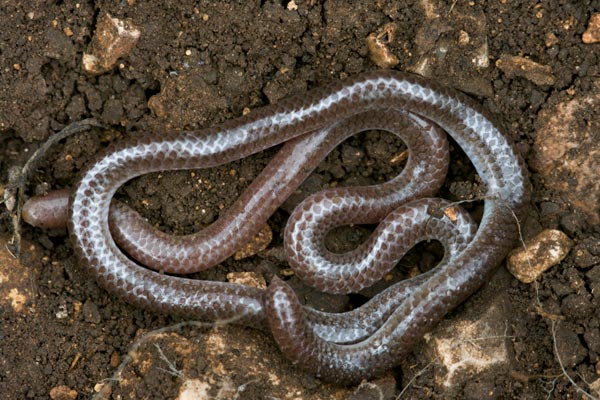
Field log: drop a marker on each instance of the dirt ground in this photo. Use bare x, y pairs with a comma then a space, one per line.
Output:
198, 63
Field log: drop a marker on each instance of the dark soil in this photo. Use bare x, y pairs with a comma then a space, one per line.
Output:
203, 63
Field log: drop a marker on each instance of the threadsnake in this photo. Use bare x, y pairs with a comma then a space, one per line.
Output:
345, 347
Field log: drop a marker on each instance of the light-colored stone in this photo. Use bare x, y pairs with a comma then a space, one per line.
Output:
292, 6
469, 347
256, 244
566, 151
62, 392
248, 279
526, 68
541, 252
378, 42
550, 39
194, 389
113, 39
592, 33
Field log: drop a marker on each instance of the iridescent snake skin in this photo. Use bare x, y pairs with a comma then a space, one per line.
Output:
344, 347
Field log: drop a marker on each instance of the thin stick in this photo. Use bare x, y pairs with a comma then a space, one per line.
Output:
18, 178
560, 363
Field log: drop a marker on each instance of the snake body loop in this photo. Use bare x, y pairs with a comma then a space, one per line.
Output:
343, 347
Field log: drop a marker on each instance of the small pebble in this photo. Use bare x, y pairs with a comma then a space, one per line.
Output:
113, 39
248, 279
377, 43
115, 359
62, 393
592, 33
292, 6
287, 272
550, 39
103, 390
525, 68
194, 389
257, 244
543, 251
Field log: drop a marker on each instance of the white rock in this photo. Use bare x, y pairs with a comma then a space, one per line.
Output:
541, 252
113, 39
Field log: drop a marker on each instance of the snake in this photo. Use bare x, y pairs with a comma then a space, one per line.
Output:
143, 266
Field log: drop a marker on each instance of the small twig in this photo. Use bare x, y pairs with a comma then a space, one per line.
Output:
552, 384
452, 6
562, 367
242, 388
172, 370
18, 178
